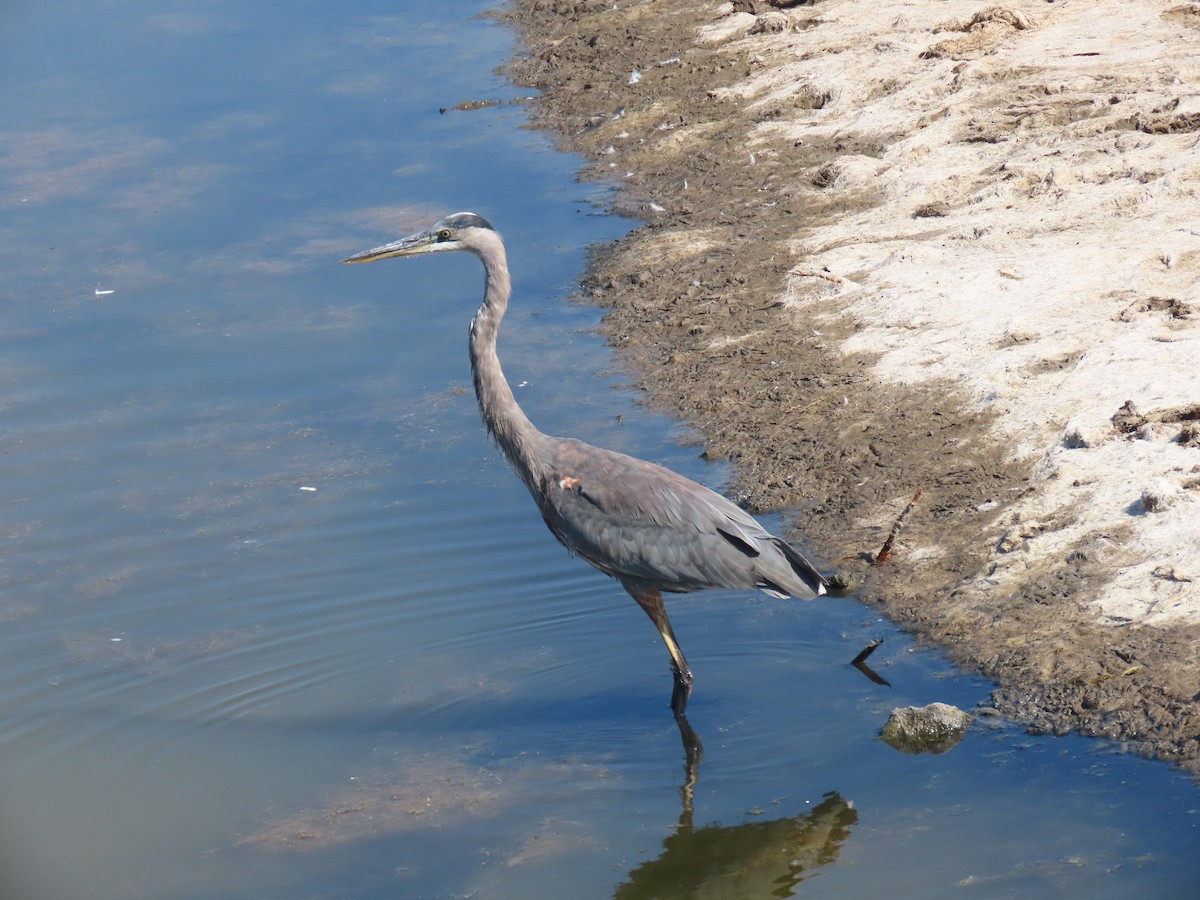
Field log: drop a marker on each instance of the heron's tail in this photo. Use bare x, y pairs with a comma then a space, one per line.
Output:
803, 569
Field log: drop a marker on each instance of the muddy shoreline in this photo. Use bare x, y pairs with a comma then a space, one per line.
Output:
725, 324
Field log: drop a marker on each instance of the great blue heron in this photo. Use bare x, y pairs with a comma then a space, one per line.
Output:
648, 527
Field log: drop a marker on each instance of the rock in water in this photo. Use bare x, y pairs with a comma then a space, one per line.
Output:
926, 729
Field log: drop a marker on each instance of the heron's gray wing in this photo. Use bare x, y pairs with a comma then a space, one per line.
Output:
648, 525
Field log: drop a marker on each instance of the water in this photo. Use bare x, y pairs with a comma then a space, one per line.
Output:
276, 621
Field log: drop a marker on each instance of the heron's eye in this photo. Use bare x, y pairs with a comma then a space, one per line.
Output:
444, 234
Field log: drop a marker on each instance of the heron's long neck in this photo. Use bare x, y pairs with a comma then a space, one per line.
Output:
505, 420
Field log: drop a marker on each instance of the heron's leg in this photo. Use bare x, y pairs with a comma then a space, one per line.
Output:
652, 602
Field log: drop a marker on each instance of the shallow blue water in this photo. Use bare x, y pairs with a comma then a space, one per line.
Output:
276, 620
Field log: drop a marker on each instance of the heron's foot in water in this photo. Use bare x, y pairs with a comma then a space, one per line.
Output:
682, 690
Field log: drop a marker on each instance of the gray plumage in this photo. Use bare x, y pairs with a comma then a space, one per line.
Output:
648, 527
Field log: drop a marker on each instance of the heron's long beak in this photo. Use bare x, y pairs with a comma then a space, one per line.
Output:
422, 242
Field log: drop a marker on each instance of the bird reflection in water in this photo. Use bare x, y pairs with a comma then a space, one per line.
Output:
752, 859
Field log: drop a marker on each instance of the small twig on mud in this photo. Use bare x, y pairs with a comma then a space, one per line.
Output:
806, 407
886, 551
1105, 677
820, 273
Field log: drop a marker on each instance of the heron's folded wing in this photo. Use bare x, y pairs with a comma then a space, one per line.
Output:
635, 519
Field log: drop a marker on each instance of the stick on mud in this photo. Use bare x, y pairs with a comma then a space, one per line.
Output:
886, 551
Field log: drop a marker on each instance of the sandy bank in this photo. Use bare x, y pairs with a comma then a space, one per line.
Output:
936, 247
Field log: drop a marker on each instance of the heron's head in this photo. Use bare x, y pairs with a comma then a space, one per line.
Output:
461, 231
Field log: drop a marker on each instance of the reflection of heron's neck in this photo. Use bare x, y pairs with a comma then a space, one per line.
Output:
505, 420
